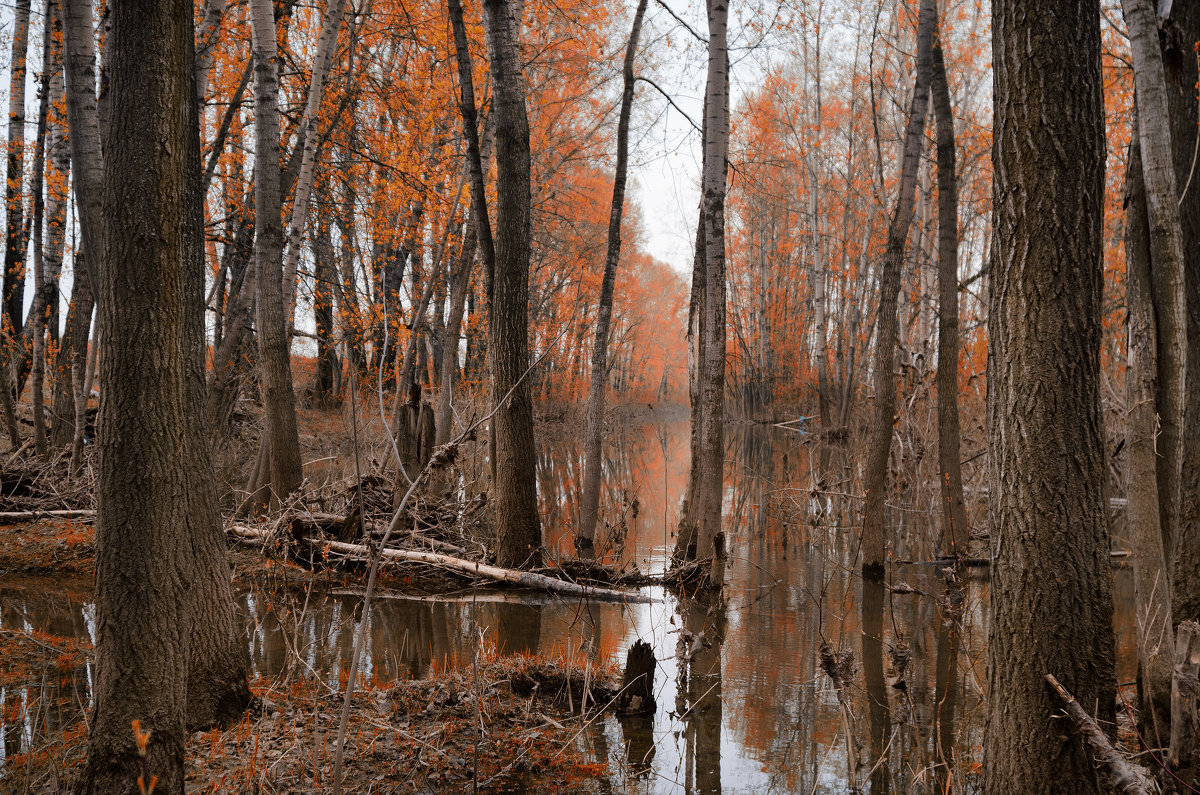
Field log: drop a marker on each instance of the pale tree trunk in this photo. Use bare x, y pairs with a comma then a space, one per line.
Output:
83, 122
1156, 649
710, 540
954, 515
1181, 100
37, 312
1051, 593
210, 34
518, 526
14, 247
685, 539
322, 60
144, 558
585, 537
1166, 256
280, 436
874, 536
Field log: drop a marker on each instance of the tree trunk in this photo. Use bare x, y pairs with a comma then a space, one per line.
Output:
1181, 100
954, 514
685, 539
1156, 650
874, 537
280, 435
709, 537
518, 526
324, 283
218, 690
590, 502
1051, 597
1166, 256
14, 247
144, 560
335, 10
37, 312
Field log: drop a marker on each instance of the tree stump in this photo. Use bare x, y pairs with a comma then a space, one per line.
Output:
637, 688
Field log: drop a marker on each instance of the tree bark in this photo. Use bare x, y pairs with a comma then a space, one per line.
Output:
1166, 256
1180, 59
518, 526
874, 537
144, 561
1156, 650
218, 690
955, 533
593, 438
280, 435
1051, 597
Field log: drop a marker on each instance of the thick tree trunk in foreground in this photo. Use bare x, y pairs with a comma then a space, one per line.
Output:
144, 560
280, 438
874, 537
1166, 255
590, 502
1052, 609
1156, 649
954, 514
518, 526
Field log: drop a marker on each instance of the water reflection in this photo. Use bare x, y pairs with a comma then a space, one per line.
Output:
751, 710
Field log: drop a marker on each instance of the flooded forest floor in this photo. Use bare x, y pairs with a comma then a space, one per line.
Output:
800, 680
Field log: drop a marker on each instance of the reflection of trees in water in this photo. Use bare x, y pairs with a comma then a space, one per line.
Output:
698, 699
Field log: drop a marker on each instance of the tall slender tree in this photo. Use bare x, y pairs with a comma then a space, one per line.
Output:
1051, 597
14, 194
590, 503
279, 470
518, 526
874, 538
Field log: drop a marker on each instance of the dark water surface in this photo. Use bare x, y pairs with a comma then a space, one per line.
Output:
754, 712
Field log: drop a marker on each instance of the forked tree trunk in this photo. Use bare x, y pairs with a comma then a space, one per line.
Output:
1051, 596
280, 436
518, 526
335, 10
1166, 254
590, 502
954, 514
874, 536
144, 558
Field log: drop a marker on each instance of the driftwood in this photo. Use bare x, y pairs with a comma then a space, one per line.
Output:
1183, 694
512, 576
1123, 775
17, 517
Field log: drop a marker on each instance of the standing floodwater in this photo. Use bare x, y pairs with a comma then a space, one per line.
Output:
753, 709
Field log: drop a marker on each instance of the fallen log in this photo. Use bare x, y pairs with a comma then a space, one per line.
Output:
1123, 775
18, 517
526, 579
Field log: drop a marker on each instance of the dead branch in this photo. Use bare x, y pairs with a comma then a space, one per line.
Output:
1123, 775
